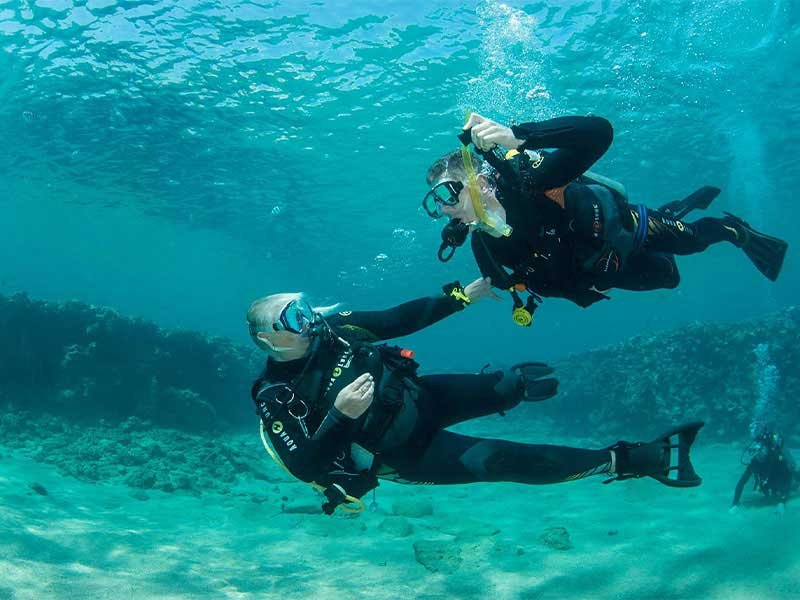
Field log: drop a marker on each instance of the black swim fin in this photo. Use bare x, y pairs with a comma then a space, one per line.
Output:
764, 251
525, 381
654, 459
537, 386
698, 200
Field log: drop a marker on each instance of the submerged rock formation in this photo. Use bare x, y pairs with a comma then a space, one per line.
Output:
89, 363
86, 362
704, 371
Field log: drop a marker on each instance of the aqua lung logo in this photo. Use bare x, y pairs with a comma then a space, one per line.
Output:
277, 429
344, 362
346, 313
288, 441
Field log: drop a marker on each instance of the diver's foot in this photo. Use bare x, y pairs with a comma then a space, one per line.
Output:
654, 459
526, 381
533, 382
764, 251
640, 459
739, 228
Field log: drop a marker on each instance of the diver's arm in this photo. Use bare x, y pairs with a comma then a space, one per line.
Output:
737, 495
373, 326
308, 457
578, 143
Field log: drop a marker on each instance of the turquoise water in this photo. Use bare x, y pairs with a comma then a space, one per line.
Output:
175, 160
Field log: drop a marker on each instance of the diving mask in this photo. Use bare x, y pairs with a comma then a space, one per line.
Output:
444, 193
297, 317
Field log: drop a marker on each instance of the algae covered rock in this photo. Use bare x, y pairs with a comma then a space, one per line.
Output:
396, 526
86, 362
556, 538
141, 478
438, 556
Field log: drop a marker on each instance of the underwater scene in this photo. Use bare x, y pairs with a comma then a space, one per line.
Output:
444, 300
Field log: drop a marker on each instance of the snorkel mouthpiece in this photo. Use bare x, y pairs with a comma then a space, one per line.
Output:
454, 234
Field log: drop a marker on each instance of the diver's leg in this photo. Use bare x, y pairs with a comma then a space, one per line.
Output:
665, 234
644, 271
452, 399
452, 458
449, 457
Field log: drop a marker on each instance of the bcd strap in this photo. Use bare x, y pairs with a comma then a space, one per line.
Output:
398, 366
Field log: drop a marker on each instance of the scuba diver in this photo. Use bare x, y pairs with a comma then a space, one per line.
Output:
342, 412
773, 467
561, 230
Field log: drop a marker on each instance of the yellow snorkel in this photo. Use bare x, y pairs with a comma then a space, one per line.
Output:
488, 220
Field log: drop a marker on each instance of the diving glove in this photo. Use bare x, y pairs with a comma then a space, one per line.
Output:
529, 381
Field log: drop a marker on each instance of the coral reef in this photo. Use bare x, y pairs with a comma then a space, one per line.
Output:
704, 371
87, 363
137, 454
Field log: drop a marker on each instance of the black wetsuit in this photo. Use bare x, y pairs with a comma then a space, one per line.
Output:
569, 234
412, 445
775, 473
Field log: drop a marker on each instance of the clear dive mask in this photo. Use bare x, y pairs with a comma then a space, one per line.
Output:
444, 193
297, 317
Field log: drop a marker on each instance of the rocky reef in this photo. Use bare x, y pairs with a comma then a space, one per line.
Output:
704, 371
88, 363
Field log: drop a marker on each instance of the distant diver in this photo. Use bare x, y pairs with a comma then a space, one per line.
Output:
342, 412
772, 466
543, 224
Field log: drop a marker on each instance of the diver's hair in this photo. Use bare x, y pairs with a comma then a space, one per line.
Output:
266, 311
451, 166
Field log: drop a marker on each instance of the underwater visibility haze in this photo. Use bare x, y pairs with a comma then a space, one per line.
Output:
162, 164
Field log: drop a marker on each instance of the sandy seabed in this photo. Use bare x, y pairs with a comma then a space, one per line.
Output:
64, 538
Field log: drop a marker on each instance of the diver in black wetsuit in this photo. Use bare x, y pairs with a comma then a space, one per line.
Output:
343, 412
774, 469
561, 230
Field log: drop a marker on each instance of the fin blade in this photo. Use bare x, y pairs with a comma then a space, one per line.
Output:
699, 199
767, 254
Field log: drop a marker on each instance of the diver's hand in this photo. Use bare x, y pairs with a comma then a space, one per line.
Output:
486, 134
480, 288
733, 509
354, 399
